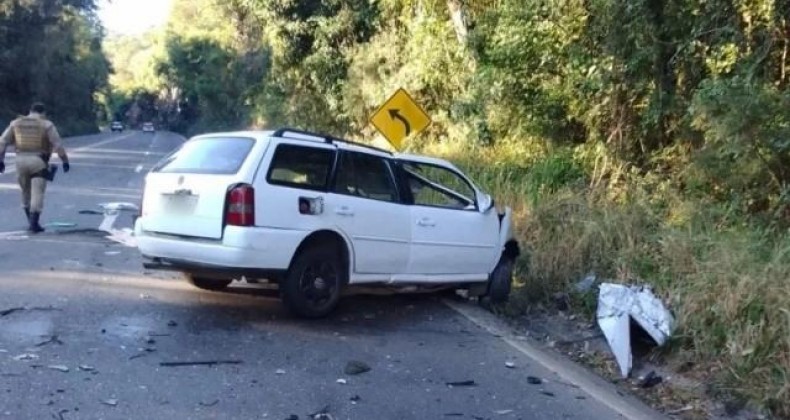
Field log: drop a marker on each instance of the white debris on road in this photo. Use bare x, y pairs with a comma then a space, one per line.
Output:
617, 305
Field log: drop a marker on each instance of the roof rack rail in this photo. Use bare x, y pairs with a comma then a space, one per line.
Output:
326, 138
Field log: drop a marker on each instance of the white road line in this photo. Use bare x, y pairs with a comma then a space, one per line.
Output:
78, 149
595, 386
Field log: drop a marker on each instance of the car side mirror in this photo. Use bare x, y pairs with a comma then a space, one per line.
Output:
485, 203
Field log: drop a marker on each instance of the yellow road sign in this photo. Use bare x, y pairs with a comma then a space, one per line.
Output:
399, 118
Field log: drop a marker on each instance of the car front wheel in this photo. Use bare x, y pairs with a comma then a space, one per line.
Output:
207, 283
499, 283
312, 287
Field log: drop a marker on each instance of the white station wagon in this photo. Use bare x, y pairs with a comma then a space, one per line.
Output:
315, 214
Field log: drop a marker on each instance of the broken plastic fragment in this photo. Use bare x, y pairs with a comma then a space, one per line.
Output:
617, 305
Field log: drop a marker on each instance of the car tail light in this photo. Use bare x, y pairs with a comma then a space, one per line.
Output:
241, 206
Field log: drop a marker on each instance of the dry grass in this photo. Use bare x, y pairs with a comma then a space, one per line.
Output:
727, 281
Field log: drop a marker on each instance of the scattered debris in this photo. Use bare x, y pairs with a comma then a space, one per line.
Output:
26, 356
510, 365
60, 368
52, 340
342, 381
86, 368
172, 323
453, 414
60, 414
10, 311
562, 301
532, 380
209, 404
680, 410
547, 393
201, 363
650, 380
503, 412
461, 383
292, 417
617, 305
145, 296
150, 341
586, 284
581, 397
112, 402
322, 414
355, 399
91, 212
143, 353
6, 312
356, 367
64, 225
280, 372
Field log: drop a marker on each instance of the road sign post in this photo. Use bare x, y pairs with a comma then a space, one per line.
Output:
399, 118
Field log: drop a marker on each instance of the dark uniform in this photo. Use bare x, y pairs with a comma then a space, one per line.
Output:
35, 138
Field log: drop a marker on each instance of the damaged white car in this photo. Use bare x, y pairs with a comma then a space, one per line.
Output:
315, 214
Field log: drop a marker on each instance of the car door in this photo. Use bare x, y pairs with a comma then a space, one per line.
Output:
366, 204
450, 235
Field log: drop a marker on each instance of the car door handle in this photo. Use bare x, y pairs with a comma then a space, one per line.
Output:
344, 211
425, 222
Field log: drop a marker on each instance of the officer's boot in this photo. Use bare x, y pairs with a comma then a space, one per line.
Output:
34, 226
27, 214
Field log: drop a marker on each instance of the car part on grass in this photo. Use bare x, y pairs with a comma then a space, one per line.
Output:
617, 306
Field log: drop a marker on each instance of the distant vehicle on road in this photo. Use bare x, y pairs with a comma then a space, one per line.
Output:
315, 214
116, 126
148, 127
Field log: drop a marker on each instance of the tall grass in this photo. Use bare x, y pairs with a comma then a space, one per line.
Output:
726, 279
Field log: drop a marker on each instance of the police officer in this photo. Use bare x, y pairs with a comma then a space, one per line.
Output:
35, 138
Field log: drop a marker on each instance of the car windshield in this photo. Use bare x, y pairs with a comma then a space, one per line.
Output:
212, 155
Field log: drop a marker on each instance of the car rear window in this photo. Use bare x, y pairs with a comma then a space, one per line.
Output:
212, 155
301, 167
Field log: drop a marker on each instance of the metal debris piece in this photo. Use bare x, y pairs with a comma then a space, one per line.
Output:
356, 367
112, 402
532, 380
52, 340
26, 356
209, 404
280, 371
547, 393
355, 399
201, 363
9, 311
342, 381
617, 305
461, 383
650, 380
587, 283
86, 368
172, 323
60, 368
322, 414
503, 412
510, 365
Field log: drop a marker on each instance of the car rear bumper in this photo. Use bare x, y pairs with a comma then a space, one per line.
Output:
240, 250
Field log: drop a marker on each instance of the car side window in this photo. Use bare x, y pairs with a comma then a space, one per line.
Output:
301, 167
365, 176
438, 187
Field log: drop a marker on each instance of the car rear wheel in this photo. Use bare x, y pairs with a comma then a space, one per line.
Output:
313, 285
207, 283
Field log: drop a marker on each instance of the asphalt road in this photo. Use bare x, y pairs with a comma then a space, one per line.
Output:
84, 331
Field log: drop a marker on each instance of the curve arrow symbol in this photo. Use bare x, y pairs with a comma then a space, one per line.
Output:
395, 115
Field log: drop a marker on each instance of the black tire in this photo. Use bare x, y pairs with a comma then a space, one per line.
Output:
499, 283
206, 283
314, 282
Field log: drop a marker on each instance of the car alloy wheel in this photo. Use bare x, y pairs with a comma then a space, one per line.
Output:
312, 287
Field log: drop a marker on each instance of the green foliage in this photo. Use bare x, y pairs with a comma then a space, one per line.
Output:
51, 51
